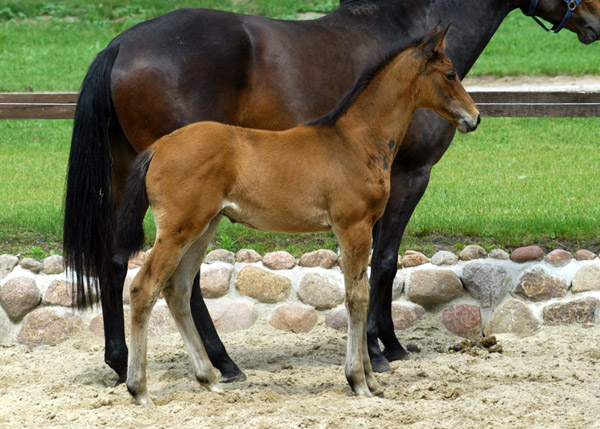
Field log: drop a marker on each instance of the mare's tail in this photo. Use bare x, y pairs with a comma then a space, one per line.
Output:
130, 230
89, 212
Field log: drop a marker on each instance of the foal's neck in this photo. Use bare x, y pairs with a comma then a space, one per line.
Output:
382, 112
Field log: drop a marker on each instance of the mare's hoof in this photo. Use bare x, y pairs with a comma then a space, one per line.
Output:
380, 365
233, 378
393, 355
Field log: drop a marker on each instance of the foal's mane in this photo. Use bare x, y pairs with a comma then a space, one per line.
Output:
362, 82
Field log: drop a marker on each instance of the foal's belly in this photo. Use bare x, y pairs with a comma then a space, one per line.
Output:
274, 218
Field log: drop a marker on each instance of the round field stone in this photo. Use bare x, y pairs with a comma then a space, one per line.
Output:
279, 260
262, 285
433, 287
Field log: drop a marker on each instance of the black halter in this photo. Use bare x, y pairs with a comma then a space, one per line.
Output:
571, 6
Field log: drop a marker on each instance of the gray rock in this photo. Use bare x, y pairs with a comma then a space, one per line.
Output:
527, 254
59, 292
54, 264
220, 255
443, 257
215, 282
319, 258
499, 254
538, 285
248, 255
433, 287
31, 265
262, 285
280, 260
558, 258
586, 279
338, 319
161, 322
7, 264
320, 291
584, 255
513, 317
405, 316
486, 282
471, 252
413, 259
295, 318
463, 320
580, 311
44, 327
398, 285
229, 315
19, 296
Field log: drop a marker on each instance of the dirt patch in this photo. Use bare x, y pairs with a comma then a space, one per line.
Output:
297, 380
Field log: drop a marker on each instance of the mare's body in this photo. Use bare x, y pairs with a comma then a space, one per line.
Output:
195, 65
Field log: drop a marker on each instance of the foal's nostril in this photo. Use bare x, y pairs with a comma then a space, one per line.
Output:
478, 119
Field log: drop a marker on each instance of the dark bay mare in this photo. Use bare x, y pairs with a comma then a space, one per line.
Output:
337, 168
195, 64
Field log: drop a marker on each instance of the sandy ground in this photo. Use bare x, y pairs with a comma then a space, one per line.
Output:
549, 380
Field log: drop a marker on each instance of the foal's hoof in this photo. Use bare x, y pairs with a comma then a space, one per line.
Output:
393, 355
380, 365
378, 393
233, 378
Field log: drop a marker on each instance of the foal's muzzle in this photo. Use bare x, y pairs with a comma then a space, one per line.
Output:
468, 123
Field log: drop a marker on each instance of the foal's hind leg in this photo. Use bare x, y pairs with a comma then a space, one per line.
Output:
355, 243
146, 285
177, 296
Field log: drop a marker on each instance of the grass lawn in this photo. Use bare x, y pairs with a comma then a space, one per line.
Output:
513, 182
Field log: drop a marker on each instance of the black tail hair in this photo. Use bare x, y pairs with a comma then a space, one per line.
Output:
89, 212
130, 231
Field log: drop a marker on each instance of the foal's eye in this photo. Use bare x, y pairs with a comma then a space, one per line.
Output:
451, 76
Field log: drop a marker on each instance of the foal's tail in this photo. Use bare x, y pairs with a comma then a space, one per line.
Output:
89, 212
130, 230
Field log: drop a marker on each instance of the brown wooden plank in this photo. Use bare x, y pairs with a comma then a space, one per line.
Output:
37, 111
535, 97
539, 110
38, 97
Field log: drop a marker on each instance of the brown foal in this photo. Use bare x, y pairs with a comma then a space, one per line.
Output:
336, 172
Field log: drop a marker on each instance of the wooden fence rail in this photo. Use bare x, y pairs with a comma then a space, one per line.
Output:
61, 105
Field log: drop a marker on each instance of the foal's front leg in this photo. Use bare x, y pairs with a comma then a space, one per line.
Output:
356, 244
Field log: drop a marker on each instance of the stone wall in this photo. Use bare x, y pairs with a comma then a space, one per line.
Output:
469, 294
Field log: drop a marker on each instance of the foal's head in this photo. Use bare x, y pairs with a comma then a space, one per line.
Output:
437, 87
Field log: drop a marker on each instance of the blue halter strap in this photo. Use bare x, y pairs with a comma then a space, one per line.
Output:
571, 6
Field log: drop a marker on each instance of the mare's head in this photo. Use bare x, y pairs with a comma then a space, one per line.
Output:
584, 20
437, 86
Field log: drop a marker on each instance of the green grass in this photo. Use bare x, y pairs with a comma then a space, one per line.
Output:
515, 181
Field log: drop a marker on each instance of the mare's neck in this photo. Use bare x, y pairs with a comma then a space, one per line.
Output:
473, 23
379, 117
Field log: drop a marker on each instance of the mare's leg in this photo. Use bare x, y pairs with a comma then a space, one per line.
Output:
115, 352
355, 243
407, 191
177, 296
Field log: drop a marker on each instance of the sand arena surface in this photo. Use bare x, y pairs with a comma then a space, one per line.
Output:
549, 380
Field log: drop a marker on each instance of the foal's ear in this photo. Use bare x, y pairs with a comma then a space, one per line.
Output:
434, 41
